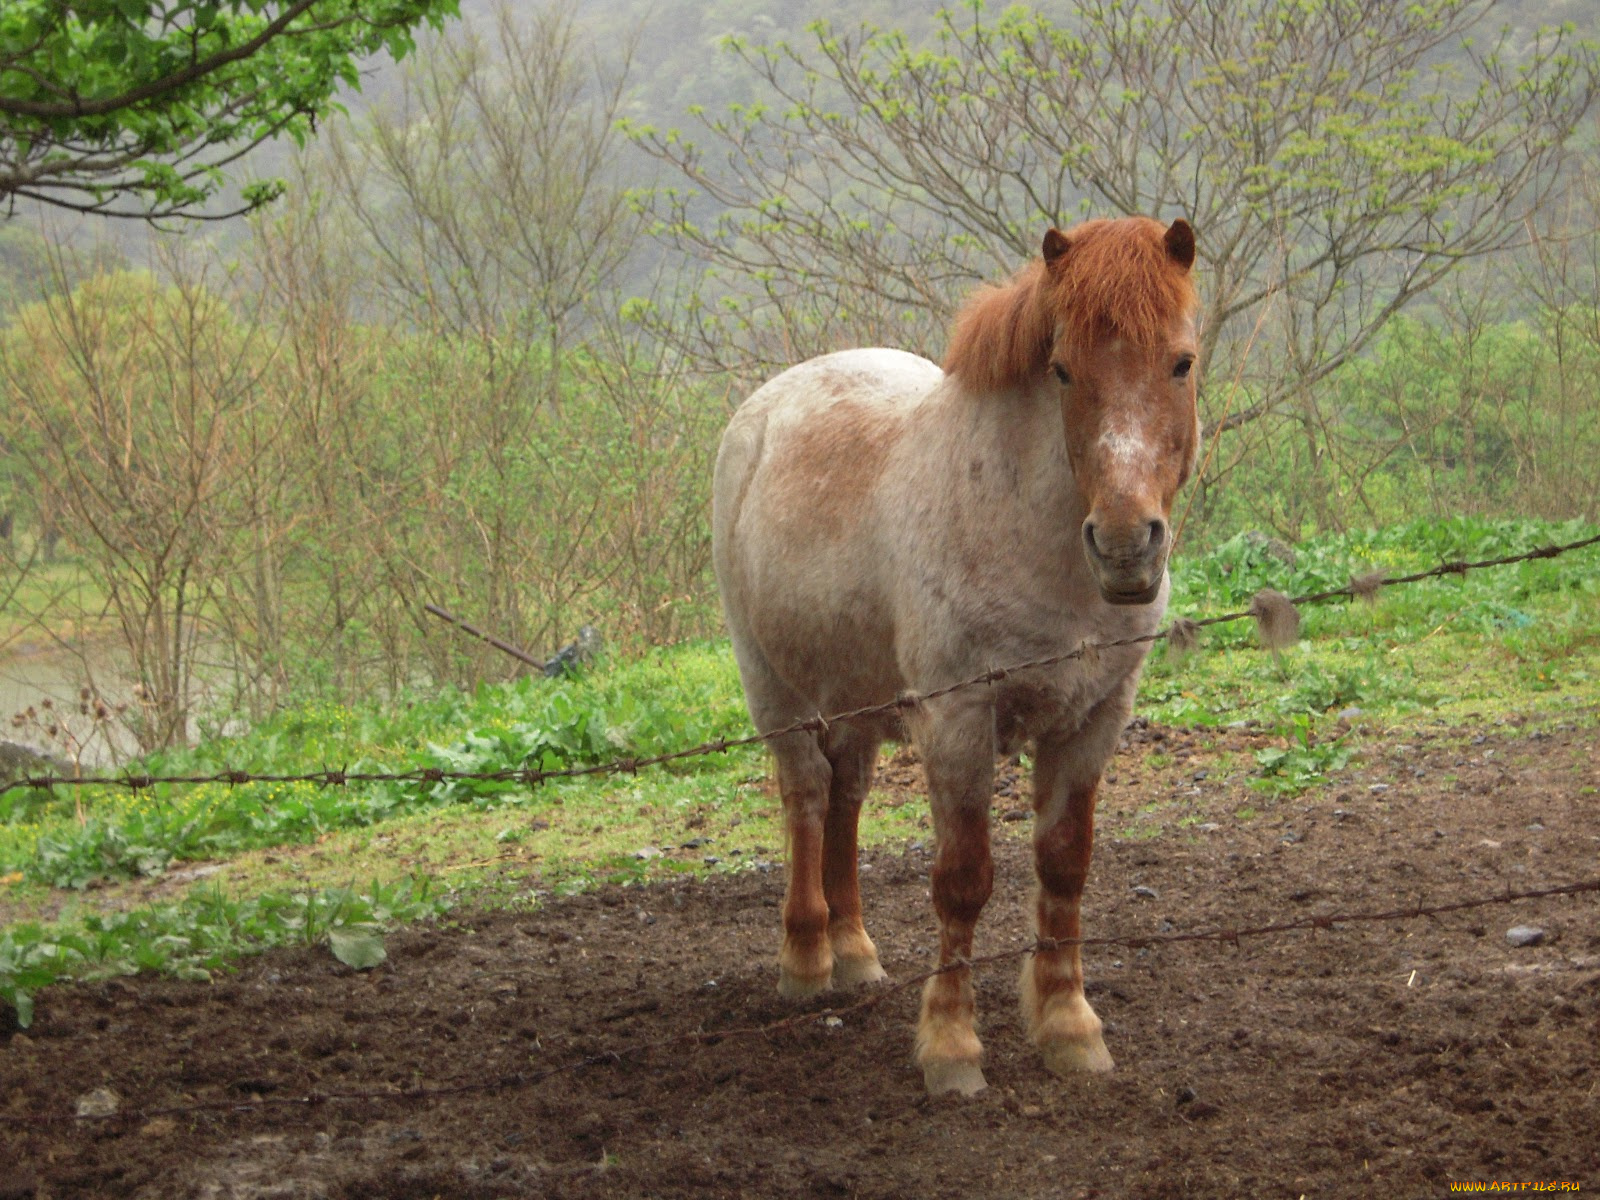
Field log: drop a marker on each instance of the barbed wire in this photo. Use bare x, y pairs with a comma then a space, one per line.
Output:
1267, 609
1326, 922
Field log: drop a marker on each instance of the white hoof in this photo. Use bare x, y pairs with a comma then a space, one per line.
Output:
1073, 1057
854, 972
965, 1078
797, 987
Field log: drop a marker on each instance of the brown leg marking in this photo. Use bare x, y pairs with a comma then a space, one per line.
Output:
855, 958
1060, 1021
960, 783
806, 961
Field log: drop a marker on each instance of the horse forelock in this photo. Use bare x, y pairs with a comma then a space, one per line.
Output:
1117, 279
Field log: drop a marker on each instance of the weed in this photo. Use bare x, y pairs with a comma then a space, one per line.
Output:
1302, 763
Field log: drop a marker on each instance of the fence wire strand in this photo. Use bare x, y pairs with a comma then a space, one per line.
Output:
1182, 631
821, 1017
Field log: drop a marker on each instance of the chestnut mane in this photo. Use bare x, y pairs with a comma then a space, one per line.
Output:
1116, 279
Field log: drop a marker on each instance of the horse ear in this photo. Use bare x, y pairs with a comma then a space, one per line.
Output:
1055, 244
1180, 243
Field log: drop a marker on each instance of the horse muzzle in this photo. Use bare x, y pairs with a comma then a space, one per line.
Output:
1128, 559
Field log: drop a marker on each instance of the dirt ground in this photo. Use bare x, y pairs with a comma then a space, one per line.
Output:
1384, 1059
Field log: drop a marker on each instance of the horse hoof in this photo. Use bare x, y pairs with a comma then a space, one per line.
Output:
965, 1078
798, 987
1072, 1058
855, 972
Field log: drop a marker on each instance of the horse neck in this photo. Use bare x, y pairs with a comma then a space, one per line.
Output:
1015, 440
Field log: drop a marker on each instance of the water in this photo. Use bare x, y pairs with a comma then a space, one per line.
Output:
30, 674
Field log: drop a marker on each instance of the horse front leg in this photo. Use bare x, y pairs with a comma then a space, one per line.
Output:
1060, 1021
958, 757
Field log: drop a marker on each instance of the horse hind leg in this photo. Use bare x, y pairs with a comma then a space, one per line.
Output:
853, 755
805, 963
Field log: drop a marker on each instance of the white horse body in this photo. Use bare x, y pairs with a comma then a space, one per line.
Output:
963, 553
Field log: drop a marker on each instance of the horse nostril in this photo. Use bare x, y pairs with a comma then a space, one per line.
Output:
1158, 532
1088, 539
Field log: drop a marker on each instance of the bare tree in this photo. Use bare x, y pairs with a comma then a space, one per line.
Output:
143, 397
1338, 157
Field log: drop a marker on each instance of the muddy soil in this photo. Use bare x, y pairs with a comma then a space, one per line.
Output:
1381, 1059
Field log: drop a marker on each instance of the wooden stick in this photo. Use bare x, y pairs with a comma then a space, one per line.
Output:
507, 647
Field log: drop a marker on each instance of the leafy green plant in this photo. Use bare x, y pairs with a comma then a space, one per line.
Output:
205, 931
1302, 763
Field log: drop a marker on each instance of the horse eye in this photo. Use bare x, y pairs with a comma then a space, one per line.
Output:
1181, 371
1061, 373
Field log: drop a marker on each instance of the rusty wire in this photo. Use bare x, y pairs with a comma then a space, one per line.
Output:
1362, 586
523, 1079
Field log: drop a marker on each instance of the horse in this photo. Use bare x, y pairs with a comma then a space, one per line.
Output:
884, 526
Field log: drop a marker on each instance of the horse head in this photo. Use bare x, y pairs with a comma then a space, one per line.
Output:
1121, 302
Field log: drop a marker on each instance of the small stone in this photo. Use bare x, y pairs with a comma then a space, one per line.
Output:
1524, 935
645, 853
1186, 1095
1377, 789
1208, 827
832, 1022
1147, 893
1351, 713
102, 1102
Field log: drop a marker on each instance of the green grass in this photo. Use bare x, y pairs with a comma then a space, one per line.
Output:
89, 893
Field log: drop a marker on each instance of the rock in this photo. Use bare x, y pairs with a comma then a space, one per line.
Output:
1524, 935
645, 853
1207, 827
102, 1102
575, 654
1147, 893
24, 762
1269, 546
1351, 713
1186, 1095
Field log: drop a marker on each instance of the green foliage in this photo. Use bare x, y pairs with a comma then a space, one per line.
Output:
149, 98
205, 931
1302, 762
655, 704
